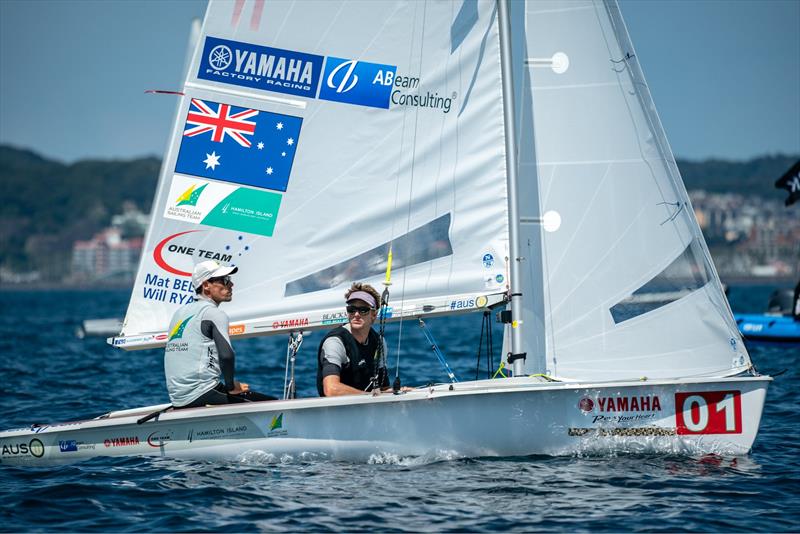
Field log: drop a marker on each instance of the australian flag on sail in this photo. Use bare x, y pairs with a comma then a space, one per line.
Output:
239, 145
791, 182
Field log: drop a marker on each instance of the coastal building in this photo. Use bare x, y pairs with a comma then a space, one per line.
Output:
107, 256
112, 255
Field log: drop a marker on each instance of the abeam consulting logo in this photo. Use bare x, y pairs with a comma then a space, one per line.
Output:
357, 82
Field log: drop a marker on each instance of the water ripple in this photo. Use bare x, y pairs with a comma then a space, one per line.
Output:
57, 378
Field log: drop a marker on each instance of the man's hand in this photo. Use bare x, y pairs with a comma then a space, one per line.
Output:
239, 387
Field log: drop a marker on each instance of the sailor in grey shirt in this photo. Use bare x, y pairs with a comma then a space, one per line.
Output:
199, 362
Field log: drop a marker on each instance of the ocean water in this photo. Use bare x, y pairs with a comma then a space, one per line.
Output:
50, 375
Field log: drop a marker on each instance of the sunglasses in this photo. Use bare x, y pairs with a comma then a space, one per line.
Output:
363, 310
224, 280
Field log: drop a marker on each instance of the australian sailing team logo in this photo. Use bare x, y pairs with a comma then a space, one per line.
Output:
275, 427
190, 196
177, 332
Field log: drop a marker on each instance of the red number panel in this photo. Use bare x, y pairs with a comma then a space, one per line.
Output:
708, 412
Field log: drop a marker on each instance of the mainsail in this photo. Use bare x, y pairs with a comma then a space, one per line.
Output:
314, 136
629, 289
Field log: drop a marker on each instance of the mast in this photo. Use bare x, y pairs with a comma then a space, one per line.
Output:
504, 27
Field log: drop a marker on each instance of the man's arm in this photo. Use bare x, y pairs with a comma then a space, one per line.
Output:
334, 357
215, 327
332, 386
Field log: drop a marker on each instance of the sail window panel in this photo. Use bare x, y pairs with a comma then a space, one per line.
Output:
424, 244
687, 273
689, 335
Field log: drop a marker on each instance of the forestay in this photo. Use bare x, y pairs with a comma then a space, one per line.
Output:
313, 135
629, 287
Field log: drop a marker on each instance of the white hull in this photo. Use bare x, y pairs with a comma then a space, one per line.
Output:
509, 417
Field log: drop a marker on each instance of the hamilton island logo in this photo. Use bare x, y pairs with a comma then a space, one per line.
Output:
177, 332
220, 57
190, 196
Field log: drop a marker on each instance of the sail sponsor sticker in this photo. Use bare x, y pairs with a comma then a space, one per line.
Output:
223, 206
275, 426
124, 441
357, 82
139, 340
72, 445
239, 145
462, 304
621, 409
175, 256
408, 93
334, 318
33, 448
159, 438
260, 67
219, 432
290, 323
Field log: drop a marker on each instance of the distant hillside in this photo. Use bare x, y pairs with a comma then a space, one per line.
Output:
48, 205
754, 177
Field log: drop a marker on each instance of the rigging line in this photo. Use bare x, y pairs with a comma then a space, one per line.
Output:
632, 78
411, 186
480, 345
490, 341
678, 204
656, 129
429, 336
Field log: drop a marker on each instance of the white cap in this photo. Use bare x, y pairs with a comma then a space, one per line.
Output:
362, 295
209, 269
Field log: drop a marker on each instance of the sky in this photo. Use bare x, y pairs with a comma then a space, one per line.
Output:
724, 74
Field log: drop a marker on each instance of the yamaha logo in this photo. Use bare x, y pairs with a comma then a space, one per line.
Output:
220, 57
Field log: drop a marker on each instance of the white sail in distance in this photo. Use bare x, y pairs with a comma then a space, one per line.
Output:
315, 135
628, 286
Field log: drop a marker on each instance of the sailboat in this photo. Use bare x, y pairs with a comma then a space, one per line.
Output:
503, 156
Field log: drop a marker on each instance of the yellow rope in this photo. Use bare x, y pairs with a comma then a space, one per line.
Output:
500, 371
388, 281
